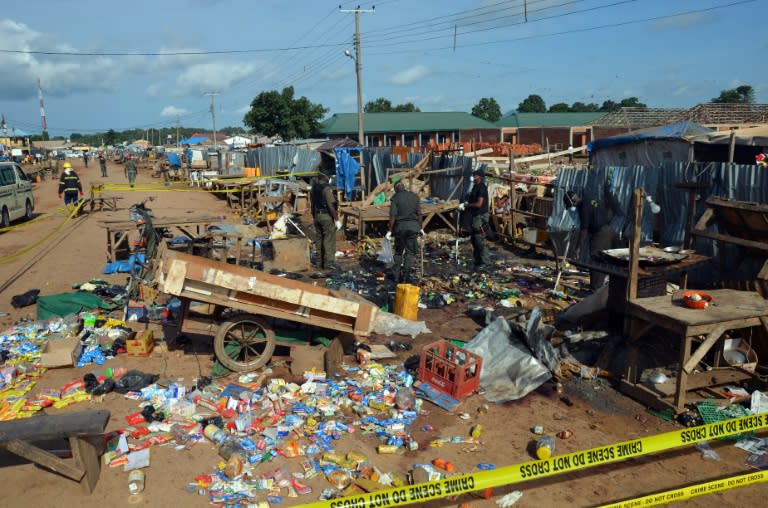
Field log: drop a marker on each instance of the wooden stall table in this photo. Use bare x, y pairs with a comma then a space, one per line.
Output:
732, 310
117, 230
380, 213
652, 280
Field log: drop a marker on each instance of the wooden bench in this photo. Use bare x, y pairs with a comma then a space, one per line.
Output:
16, 436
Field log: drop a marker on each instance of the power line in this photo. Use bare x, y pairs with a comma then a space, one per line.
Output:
565, 32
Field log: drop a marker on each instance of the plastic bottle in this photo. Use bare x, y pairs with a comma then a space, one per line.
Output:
135, 481
545, 447
405, 398
477, 431
180, 435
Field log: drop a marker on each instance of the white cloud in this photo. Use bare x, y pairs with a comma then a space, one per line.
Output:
60, 75
410, 75
173, 111
242, 110
219, 76
685, 21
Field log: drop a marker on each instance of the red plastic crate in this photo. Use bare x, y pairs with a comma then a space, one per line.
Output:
450, 369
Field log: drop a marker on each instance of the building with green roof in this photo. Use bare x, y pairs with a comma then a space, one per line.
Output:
412, 129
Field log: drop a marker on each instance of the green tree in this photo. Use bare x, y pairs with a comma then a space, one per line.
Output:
110, 138
632, 102
609, 106
580, 107
380, 105
75, 136
408, 107
384, 105
487, 109
279, 113
560, 107
740, 95
533, 104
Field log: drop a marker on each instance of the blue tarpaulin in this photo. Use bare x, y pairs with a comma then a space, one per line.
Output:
677, 130
347, 169
173, 159
193, 141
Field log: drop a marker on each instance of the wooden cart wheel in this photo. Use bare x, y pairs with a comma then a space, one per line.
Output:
244, 344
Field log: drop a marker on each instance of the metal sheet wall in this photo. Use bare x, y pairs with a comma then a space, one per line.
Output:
730, 181
282, 157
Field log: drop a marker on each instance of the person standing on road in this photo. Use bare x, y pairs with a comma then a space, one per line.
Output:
477, 203
405, 222
103, 164
327, 223
70, 186
85, 158
130, 170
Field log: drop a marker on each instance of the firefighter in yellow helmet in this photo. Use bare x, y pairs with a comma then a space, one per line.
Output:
70, 186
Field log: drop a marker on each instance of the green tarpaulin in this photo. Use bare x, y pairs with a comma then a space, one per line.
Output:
65, 304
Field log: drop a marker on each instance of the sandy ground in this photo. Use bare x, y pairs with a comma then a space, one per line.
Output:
598, 416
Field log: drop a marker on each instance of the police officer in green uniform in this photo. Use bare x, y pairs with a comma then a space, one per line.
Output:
130, 170
327, 223
477, 204
405, 223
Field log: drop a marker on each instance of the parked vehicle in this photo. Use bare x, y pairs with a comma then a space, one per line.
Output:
16, 199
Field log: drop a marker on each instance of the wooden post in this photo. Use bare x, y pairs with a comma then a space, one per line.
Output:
634, 246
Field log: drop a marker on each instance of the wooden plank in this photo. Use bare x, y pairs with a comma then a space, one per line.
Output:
731, 239
704, 220
634, 247
87, 458
41, 428
173, 283
44, 458
703, 348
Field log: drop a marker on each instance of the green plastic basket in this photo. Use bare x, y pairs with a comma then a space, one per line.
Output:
713, 414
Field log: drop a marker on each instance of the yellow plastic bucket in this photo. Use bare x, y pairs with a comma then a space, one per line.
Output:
407, 301
250, 171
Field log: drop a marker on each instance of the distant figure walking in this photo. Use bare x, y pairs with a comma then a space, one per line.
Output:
70, 186
103, 164
85, 158
130, 170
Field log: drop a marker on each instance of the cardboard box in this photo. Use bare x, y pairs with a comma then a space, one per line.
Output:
61, 352
140, 344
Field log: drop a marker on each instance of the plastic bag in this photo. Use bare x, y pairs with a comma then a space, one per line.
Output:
134, 380
385, 255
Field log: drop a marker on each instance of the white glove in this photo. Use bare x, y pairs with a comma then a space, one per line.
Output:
462, 207
388, 236
422, 233
338, 225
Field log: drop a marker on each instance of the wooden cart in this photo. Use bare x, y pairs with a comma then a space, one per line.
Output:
239, 297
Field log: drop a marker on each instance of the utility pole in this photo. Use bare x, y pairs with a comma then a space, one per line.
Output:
359, 71
177, 131
213, 117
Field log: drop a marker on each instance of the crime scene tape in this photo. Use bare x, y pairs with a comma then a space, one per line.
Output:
700, 489
559, 464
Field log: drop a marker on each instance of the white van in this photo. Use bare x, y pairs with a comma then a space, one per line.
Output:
16, 200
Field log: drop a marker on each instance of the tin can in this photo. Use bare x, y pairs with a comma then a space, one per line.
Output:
386, 449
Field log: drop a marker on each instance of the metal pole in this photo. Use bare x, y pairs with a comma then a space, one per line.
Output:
359, 72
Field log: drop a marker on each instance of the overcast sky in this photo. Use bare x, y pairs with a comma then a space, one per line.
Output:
443, 55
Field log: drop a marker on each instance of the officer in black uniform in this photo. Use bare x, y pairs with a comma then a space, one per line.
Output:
324, 211
595, 217
405, 222
477, 204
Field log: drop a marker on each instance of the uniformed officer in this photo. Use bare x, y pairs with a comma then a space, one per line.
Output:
405, 223
70, 186
327, 223
477, 204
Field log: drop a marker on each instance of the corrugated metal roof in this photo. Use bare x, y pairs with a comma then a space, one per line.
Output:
548, 119
638, 118
346, 123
